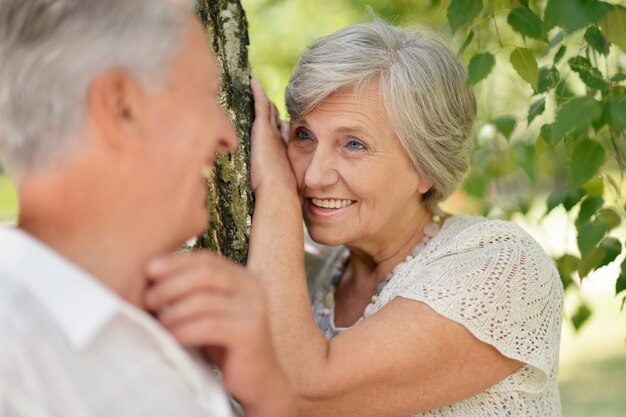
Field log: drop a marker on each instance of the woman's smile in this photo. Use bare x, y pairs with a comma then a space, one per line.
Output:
326, 207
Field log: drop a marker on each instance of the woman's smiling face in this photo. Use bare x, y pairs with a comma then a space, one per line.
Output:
357, 183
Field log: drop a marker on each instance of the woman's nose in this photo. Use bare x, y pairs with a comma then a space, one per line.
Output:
322, 170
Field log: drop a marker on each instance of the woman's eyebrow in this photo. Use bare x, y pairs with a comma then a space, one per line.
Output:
354, 130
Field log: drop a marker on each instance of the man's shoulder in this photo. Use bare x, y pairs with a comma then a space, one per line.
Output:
10, 293
17, 307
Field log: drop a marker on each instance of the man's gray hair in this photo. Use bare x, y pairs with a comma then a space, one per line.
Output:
52, 50
422, 84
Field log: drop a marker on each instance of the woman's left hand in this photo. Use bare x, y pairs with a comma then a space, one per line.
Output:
269, 166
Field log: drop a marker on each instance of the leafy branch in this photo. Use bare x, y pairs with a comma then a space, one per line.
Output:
587, 131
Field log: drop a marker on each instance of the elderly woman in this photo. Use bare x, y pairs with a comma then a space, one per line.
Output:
415, 312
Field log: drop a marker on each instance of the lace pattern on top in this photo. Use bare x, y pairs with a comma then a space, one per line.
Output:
495, 280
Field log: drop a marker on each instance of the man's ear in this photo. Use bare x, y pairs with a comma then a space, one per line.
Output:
116, 103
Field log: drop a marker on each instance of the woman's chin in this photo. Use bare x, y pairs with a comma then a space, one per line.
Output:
324, 237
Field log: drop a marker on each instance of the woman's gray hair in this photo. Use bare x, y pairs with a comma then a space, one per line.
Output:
52, 50
422, 84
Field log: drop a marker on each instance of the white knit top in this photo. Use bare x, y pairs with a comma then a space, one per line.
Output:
494, 279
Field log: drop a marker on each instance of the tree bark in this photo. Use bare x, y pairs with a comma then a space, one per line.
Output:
230, 200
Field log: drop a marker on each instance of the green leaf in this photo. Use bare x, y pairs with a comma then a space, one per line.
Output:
524, 156
572, 198
559, 54
527, 23
587, 158
596, 40
589, 235
562, 93
566, 197
612, 248
505, 125
593, 188
601, 121
610, 218
620, 76
462, 12
620, 284
588, 208
525, 64
591, 261
617, 115
546, 131
548, 78
589, 74
555, 199
466, 42
546, 134
614, 27
581, 316
537, 108
567, 265
479, 67
572, 15
476, 184
573, 116
556, 40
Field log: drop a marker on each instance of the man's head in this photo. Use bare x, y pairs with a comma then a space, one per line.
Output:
121, 89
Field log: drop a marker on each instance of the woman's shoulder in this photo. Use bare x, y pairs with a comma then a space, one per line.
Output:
473, 244
483, 227
465, 233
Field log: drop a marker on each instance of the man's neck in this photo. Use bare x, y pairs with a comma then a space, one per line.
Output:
98, 241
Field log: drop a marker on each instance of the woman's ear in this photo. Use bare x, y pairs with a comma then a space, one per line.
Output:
424, 185
116, 103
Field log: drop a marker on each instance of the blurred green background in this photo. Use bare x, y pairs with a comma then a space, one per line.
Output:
593, 360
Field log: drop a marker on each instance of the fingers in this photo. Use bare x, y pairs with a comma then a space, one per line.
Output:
273, 112
178, 276
216, 320
262, 107
205, 301
207, 331
284, 131
195, 306
186, 282
164, 266
201, 291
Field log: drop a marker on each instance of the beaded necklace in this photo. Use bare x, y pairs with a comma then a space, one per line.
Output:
429, 231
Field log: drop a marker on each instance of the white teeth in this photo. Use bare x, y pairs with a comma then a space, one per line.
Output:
331, 204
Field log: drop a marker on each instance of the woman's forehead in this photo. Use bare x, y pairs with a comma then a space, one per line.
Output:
347, 112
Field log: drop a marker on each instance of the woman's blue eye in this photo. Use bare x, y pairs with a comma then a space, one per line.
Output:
355, 144
303, 134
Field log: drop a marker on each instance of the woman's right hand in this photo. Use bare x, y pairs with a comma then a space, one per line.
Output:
269, 166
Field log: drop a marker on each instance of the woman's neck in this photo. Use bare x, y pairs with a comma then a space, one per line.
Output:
369, 262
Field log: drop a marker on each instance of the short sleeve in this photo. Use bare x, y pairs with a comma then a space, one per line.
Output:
497, 282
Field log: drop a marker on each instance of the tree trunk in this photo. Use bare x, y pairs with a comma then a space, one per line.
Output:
230, 200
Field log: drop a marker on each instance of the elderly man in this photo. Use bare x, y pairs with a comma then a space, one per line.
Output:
109, 122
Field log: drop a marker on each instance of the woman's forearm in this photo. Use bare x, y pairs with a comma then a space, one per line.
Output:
276, 255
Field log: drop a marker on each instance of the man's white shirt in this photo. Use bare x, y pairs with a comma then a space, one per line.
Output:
70, 347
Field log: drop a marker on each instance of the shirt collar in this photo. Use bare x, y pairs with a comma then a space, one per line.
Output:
78, 303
